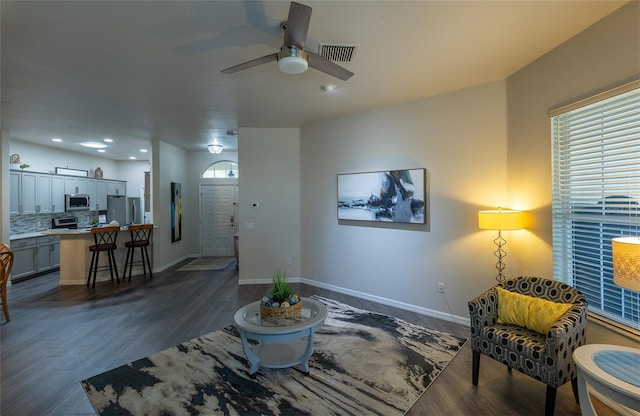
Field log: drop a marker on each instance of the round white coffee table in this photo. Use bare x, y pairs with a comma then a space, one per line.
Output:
282, 342
612, 370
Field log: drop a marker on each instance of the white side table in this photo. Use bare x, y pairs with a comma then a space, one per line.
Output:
282, 342
611, 370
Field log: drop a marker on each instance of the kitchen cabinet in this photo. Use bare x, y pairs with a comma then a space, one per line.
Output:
43, 193
75, 185
30, 192
97, 191
116, 188
24, 257
34, 255
48, 253
15, 191
92, 192
57, 193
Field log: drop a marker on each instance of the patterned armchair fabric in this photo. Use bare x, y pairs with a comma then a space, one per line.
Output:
545, 358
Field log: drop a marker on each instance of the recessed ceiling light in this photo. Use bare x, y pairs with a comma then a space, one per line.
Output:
94, 145
101, 150
55, 139
108, 140
328, 87
143, 150
132, 157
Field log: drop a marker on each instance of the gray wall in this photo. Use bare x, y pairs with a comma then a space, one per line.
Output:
605, 55
460, 138
269, 163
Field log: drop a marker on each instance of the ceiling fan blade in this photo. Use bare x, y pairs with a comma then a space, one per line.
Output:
297, 25
328, 67
250, 64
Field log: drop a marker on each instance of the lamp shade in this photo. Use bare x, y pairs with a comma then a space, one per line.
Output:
626, 262
500, 219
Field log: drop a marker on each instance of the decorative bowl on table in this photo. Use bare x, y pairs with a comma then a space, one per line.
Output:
280, 302
286, 309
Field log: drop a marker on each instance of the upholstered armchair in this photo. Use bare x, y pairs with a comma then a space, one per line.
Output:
545, 356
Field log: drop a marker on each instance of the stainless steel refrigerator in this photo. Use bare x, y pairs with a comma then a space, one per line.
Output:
117, 209
134, 212
125, 210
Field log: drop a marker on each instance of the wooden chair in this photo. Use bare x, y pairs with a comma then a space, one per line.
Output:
6, 264
104, 240
140, 237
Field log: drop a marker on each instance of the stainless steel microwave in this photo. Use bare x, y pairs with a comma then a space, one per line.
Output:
76, 202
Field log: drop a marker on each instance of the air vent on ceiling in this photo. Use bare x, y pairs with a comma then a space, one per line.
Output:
337, 53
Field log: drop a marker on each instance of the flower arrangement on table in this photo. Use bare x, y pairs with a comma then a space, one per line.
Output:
280, 302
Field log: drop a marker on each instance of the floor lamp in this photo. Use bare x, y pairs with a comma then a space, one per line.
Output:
500, 219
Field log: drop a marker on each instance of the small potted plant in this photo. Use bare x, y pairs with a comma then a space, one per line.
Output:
281, 302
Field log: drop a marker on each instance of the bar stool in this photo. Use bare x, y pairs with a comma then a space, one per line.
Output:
104, 240
140, 236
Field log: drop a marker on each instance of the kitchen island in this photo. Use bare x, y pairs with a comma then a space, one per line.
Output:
75, 257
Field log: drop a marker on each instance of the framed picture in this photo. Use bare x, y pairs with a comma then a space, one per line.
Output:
72, 172
176, 212
389, 196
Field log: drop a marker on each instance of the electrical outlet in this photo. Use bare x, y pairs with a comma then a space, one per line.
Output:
440, 287
289, 261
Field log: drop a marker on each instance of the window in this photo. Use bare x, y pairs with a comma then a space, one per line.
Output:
222, 169
596, 196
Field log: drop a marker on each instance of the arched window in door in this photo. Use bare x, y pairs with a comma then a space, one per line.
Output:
222, 169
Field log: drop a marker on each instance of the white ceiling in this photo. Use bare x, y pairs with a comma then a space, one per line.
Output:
140, 70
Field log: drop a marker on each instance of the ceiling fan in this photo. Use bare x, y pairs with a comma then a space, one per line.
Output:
293, 58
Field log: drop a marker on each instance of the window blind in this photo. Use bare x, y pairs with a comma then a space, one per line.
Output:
596, 197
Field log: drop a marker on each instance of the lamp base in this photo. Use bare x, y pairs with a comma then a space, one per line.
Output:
500, 254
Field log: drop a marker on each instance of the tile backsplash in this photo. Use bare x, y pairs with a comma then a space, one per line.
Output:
27, 223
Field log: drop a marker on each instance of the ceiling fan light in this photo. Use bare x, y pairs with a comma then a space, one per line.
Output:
292, 64
215, 148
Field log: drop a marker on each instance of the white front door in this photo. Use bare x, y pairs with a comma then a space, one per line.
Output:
217, 208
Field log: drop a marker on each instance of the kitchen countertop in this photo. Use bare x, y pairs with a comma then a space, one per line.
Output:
32, 234
56, 231
67, 231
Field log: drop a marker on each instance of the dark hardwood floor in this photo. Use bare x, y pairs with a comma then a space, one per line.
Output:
60, 335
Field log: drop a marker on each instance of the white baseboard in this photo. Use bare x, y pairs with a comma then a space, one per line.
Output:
378, 299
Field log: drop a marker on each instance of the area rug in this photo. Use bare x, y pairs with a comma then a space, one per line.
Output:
363, 363
207, 263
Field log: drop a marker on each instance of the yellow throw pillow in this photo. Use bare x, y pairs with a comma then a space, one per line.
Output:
532, 313
513, 308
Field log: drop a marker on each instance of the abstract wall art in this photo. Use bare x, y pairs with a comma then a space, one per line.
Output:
389, 196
